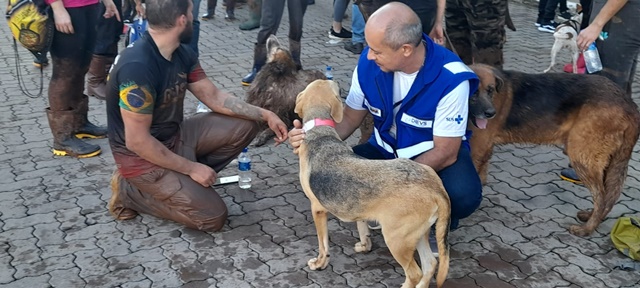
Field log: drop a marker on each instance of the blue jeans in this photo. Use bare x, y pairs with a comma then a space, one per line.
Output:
460, 180
357, 25
196, 27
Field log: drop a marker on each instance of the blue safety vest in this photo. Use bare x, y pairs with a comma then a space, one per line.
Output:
442, 72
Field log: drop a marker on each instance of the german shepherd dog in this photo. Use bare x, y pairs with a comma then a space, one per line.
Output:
277, 85
589, 115
404, 196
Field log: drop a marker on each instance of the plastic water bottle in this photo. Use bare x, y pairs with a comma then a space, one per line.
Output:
202, 108
592, 59
244, 169
328, 73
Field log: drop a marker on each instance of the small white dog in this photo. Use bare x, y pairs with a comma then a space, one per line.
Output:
566, 35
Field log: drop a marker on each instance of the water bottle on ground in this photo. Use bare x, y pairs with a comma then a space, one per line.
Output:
202, 108
328, 73
244, 169
592, 59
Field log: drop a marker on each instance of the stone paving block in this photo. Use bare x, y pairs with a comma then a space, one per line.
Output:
507, 252
251, 218
371, 275
574, 274
69, 247
32, 282
132, 229
46, 265
266, 249
584, 245
459, 268
66, 278
509, 219
253, 268
91, 263
620, 278
24, 251
464, 282
489, 279
511, 193
6, 269
541, 215
90, 203
146, 283
160, 273
201, 284
278, 230
505, 233
540, 245
540, 264
178, 254
546, 280
135, 258
50, 206
48, 234
504, 270
25, 185
154, 241
587, 264
99, 217
509, 205
70, 219
235, 279
540, 229
116, 277
89, 231
16, 234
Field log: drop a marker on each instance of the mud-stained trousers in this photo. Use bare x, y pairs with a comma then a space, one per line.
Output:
619, 52
476, 30
208, 138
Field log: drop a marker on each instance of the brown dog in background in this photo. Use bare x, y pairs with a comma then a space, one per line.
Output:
589, 115
404, 196
277, 85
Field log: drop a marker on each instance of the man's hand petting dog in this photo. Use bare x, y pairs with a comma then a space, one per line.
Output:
587, 36
296, 135
278, 127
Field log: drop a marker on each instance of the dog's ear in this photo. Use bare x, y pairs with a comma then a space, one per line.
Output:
298, 108
336, 104
499, 78
272, 43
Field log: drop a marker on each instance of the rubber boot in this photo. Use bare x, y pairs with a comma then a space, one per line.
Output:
116, 208
294, 47
64, 142
82, 127
259, 59
255, 14
97, 76
211, 8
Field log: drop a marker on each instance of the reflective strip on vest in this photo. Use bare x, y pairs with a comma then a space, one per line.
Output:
411, 151
381, 142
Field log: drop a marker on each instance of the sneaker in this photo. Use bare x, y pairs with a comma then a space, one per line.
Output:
433, 242
374, 225
343, 34
208, 16
565, 16
549, 27
537, 24
355, 48
569, 174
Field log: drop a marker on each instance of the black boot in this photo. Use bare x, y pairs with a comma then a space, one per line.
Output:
294, 47
82, 127
64, 143
259, 59
211, 8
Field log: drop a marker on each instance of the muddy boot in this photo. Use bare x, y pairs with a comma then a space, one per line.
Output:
255, 13
64, 142
211, 8
294, 47
82, 127
116, 208
97, 76
259, 59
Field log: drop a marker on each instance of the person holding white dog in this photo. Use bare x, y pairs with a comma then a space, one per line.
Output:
418, 93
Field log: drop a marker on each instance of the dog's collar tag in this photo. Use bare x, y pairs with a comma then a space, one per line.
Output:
318, 122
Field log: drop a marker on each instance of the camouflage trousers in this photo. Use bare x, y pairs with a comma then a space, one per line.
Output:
476, 30
425, 9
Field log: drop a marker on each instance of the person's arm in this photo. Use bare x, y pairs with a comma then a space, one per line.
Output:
227, 104
591, 33
140, 9
110, 10
61, 17
137, 99
437, 34
449, 126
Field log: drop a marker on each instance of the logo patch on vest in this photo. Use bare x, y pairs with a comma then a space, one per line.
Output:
375, 111
457, 119
416, 122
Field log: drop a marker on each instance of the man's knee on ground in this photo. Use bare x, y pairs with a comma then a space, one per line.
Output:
210, 221
465, 203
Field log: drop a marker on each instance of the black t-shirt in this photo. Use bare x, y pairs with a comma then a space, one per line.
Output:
143, 81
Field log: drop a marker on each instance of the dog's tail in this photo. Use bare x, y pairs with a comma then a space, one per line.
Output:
561, 35
442, 232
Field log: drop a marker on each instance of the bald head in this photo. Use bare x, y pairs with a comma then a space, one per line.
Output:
398, 23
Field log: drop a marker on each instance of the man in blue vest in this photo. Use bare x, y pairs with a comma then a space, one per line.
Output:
418, 93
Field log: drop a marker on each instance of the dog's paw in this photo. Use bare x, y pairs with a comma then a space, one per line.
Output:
579, 230
316, 264
363, 247
584, 215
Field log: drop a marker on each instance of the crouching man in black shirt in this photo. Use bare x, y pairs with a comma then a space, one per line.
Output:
165, 164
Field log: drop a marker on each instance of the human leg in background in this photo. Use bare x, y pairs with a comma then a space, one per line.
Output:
108, 31
357, 25
196, 27
487, 30
336, 31
255, 13
296, 11
458, 30
71, 55
548, 23
269, 23
229, 14
541, 6
211, 8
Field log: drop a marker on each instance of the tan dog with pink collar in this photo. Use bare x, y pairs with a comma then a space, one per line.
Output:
404, 196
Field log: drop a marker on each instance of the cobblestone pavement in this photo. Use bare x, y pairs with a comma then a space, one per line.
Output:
55, 230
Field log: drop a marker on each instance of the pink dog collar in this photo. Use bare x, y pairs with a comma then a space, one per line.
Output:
318, 122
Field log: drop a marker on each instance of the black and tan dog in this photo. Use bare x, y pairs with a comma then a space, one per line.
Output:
588, 115
277, 85
405, 197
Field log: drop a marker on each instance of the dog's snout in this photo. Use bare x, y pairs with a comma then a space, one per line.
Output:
490, 112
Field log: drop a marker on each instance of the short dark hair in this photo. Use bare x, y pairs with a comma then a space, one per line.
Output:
162, 14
